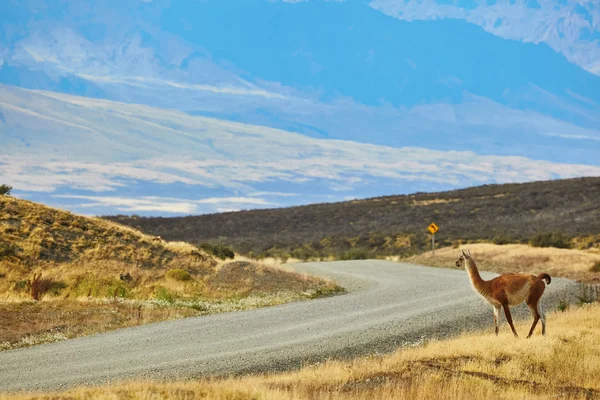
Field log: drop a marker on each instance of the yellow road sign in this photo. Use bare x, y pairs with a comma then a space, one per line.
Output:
433, 228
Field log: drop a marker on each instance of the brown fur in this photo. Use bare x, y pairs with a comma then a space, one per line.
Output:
509, 290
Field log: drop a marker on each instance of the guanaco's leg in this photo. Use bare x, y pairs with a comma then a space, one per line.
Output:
496, 317
543, 318
536, 317
533, 302
509, 318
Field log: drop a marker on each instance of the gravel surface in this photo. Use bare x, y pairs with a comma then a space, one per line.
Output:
388, 305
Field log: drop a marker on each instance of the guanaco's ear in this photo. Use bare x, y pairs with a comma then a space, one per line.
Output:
469, 251
463, 253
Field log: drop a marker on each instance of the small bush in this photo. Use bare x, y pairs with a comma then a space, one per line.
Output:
218, 250
551, 239
595, 267
39, 286
5, 190
502, 239
8, 249
114, 288
93, 287
179, 275
276, 253
562, 306
165, 294
356, 254
304, 253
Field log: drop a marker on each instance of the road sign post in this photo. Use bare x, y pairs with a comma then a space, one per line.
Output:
433, 228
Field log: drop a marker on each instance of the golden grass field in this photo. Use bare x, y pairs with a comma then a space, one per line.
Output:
565, 364
567, 263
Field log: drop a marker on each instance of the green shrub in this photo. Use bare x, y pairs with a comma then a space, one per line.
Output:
165, 294
562, 305
304, 253
5, 190
93, 287
20, 285
356, 254
502, 239
595, 267
276, 252
56, 287
218, 250
115, 288
8, 249
551, 239
178, 274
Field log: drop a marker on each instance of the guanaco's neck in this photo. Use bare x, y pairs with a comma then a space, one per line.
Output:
478, 283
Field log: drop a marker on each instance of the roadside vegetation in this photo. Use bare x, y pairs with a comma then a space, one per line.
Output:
565, 364
63, 275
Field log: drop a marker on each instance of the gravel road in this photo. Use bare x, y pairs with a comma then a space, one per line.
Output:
388, 305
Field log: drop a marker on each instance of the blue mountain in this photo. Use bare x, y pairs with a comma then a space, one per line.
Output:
353, 50
328, 70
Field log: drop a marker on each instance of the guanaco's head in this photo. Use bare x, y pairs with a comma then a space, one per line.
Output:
462, 260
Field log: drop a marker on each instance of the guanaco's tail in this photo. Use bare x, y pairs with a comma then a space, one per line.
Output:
545, 277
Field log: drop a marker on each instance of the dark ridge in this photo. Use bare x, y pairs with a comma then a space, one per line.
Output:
515, 212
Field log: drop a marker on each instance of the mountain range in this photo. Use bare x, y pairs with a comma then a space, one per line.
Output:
222, 105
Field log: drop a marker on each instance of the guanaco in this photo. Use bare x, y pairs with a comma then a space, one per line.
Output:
509, 290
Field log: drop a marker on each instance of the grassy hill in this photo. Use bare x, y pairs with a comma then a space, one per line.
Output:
86, 255
396, 225
67, 275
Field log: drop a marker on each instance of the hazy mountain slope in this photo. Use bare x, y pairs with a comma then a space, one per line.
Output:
327, 69
81, 147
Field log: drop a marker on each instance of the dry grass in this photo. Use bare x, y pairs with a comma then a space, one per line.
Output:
568, 263
27, 323
75, 250
75, 265
85, 257
418, 203
564, 364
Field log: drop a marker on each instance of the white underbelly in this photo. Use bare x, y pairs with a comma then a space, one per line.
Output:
519, 296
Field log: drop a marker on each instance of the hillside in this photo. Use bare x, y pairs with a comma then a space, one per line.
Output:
36, 238
396, 225
69, 275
